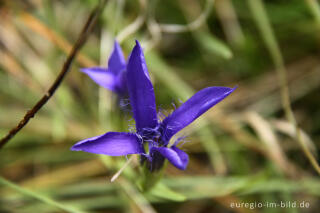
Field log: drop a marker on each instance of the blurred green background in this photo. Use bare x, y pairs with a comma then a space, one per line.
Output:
244, 150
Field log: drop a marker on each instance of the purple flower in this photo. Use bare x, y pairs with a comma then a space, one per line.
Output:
112, 78
152, 134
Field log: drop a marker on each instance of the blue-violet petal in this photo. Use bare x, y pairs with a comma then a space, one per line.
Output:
116, 62
103, 77
111, 143
195, 106
176, 156
141, 91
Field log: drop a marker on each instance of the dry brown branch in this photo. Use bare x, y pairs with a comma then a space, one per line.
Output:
91, 21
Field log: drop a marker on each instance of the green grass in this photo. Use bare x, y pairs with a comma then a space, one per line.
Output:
230, 160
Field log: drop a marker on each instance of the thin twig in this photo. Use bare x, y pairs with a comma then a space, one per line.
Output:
77, 46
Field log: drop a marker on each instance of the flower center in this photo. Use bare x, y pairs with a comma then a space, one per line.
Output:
151, 137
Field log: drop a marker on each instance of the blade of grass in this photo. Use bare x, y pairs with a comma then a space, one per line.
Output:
37, 26
136, 196
287, 128
229, 21
261, 19
314, 7
193, 187
66, 67
90, 204
14, 69
38, 196
212, 44
268, 137
131, 191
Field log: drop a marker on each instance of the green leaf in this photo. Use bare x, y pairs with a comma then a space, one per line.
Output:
214, 45
162, 191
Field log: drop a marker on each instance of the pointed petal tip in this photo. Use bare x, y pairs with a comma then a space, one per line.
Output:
116, 43
137, 42
74, 148
77, 146
137, 51
90, 70
138, 46
116, 46
231, 89
102, 76
224, 91
84, 70
234, 88
116, 61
